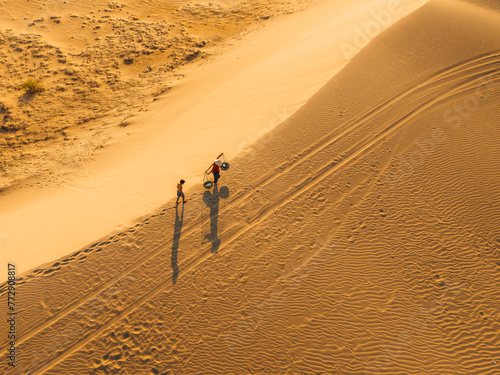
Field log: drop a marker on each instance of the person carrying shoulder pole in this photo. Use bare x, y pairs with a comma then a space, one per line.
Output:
216, 168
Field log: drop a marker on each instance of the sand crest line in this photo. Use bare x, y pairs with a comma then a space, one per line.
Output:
353, 124
364, 144
333, 166
266, 211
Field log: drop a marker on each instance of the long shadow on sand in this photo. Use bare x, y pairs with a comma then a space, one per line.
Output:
175, 242
212, 201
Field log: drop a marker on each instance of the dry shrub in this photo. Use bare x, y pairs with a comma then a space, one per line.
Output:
32, 85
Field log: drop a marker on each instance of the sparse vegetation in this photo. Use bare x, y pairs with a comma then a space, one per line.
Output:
32, 85
123, 65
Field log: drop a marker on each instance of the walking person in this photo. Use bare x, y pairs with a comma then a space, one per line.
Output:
216, 169
180, 193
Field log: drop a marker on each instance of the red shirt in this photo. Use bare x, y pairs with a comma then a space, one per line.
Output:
215, 168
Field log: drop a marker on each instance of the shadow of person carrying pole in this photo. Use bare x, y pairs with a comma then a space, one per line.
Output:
212, 201
175, 242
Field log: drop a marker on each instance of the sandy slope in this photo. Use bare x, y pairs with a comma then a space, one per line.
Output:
360, 236
100, 63
223, 105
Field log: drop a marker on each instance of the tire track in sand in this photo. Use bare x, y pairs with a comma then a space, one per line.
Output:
352, 153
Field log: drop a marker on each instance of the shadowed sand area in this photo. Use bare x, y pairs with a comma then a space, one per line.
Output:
359, 236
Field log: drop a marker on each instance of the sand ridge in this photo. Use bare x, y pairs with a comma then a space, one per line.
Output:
352, 244
224, 104
100, 63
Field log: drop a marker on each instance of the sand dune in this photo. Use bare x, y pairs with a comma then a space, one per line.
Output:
100, 62
225, 104
361, 235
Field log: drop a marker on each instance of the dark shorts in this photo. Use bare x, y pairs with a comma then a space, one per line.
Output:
216, 177
179, 194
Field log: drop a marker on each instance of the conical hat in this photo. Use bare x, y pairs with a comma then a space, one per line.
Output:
218, 162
